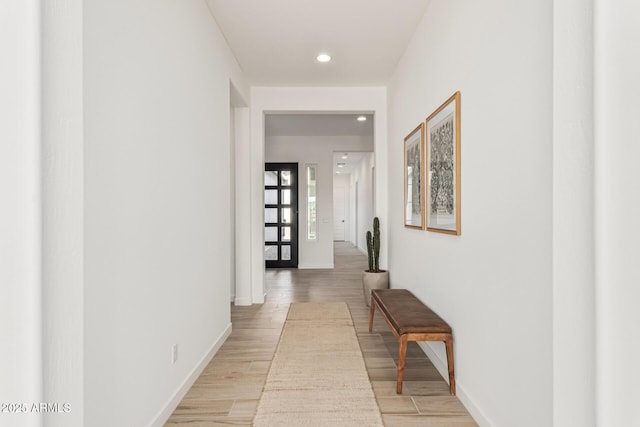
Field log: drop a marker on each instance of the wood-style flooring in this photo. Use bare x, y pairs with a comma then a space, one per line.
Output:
228, 391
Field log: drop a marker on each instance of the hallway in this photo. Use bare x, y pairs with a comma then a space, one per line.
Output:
228, 391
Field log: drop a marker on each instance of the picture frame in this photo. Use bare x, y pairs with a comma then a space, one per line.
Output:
442, 161
414, 178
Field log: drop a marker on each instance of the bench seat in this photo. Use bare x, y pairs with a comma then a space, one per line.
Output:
411, 320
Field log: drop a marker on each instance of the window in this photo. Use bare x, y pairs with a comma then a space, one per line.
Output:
312, 191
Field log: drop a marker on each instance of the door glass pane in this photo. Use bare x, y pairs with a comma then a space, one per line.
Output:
285, 177
280, 214
271, 197
271, 234
270, 215
286, 197
270, 178
271, 252
286, 215
312, 224
286, 234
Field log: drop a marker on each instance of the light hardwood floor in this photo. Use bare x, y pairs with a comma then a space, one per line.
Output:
228, 391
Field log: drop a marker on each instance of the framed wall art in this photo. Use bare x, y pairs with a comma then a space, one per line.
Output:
443, 167
414, 178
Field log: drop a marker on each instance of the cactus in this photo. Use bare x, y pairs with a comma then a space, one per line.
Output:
376, 244
373, 247
370, 250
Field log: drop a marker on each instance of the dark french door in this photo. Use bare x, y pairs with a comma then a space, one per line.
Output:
281, 215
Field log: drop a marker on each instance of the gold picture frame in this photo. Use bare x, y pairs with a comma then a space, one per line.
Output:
414, 178
443, 167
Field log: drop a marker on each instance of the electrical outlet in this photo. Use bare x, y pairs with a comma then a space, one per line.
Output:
174, 354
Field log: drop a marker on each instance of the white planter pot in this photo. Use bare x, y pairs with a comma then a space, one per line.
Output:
371, 281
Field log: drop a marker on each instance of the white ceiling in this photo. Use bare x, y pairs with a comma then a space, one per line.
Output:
309, 124
347, 166
276, 41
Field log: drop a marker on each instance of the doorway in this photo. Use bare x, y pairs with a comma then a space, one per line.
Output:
340, 205
281, 215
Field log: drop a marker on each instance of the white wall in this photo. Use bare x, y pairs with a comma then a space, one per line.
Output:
617, 101
63, 211
364, 213
316, 150
342, 183
307, 99
157, 180
238, 205
242, 143
232, 201
353, 209
493, 283
573, 219
20, 205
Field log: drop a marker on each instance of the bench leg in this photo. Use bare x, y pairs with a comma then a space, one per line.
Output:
371, 311
452, 379
402, 355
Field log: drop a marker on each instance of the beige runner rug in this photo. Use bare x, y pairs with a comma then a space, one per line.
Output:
317, 376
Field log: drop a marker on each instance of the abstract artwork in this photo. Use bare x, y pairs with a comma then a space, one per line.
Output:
443, 167
414, 178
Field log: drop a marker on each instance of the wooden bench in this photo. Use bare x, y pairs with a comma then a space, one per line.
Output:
411, 320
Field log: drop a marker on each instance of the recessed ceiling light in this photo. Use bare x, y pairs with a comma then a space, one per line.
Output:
345, 155
323, 57
362, 118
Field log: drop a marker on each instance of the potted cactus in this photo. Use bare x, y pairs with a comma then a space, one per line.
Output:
374, 278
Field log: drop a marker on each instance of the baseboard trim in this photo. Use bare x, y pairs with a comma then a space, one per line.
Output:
243, 301
259, 299
315, 266
161, 419
475, 411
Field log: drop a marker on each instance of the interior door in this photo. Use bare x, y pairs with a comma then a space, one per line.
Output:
281, 215
339, 214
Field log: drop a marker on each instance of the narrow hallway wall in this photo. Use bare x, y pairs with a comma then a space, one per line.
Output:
492, 283
157, 188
